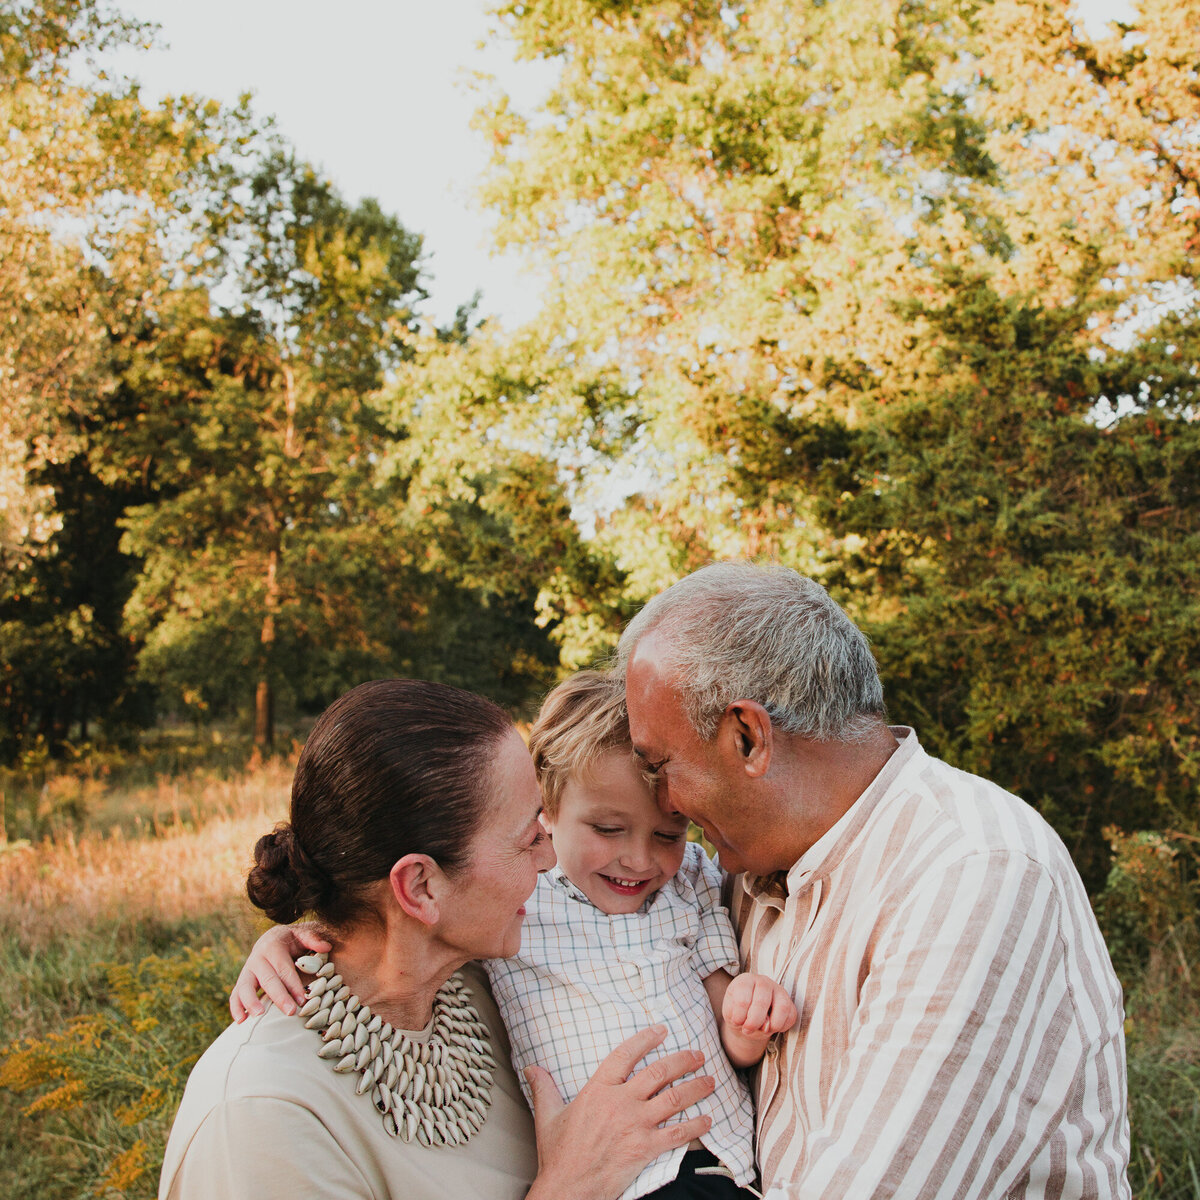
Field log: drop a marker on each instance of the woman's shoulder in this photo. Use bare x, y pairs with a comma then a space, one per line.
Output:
271, 1056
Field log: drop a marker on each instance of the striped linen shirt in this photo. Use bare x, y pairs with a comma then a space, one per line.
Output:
961, 1029
585, 980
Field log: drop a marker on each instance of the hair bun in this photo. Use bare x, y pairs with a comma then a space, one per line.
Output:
284, 882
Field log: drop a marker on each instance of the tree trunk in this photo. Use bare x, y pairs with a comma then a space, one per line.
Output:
264, 716
264, 695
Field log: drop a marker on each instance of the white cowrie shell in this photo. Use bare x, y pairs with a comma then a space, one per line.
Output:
353, 1004
346, 1064
385, 1048
382, 1099
310, 964
332, 1030
423, 1134
390, 1125
310, 1006
376, 1024
317, 987
362, 1058
365, 1083
330, 1050
337, 1012
335, 981
327, 970
343, 994
390, 1074
403, 1082
373, 1042
360, 1036
318, 1020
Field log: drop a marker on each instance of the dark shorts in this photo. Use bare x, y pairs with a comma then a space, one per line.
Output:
687, 1185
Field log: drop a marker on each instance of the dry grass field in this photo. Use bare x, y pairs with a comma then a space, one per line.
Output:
122, 925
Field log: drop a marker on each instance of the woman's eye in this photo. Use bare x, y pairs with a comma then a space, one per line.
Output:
669, 838
607, 830
539, 837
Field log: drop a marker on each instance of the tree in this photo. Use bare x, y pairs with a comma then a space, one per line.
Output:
853, 259
264, 439
91, 183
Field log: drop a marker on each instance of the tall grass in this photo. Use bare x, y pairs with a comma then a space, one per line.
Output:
122, 928
151, 868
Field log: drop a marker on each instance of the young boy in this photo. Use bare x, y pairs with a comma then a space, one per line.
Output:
626, 931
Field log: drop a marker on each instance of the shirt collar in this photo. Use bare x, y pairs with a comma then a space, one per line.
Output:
556, 877
832, 846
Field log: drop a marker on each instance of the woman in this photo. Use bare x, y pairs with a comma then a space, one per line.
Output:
415, 841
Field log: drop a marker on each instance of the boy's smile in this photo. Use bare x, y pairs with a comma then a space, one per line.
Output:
613, 842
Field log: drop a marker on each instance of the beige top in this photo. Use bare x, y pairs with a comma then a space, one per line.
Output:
264, 1117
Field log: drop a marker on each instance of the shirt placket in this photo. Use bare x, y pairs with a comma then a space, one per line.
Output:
783, 957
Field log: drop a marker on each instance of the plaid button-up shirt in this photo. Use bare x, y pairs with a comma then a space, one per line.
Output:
584, 981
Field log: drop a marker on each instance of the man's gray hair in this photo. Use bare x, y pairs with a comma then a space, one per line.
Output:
737, 631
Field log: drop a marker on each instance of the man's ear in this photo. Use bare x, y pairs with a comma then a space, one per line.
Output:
749, 736
416, 885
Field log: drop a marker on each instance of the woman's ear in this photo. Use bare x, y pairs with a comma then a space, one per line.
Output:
748, 736
416, 885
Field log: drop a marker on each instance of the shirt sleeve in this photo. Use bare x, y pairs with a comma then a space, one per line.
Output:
265, 1149
965, 1050
716, 946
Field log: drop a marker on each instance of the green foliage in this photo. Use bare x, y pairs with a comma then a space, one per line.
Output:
885, 308
104, 1087
1027, 573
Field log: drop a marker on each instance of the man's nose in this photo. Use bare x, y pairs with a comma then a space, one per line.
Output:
662, 797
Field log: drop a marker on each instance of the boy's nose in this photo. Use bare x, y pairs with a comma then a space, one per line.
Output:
637, 858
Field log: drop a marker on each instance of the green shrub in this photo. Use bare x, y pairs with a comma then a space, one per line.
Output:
100, 1092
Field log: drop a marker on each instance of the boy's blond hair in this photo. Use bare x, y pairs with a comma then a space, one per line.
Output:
581, 719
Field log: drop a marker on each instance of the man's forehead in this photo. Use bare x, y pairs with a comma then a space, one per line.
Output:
650, 699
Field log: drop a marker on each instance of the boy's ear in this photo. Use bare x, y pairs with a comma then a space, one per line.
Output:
416, 882
748, 736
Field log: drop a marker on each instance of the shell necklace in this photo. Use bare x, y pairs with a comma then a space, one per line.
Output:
437, 1092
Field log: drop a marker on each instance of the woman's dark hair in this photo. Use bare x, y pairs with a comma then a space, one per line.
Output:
393, 767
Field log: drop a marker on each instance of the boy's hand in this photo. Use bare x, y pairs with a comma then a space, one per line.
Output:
753, 1010
271, 968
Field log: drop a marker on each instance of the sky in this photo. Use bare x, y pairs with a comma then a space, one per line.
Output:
374, 93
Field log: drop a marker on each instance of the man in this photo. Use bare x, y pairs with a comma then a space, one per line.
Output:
961, 1029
